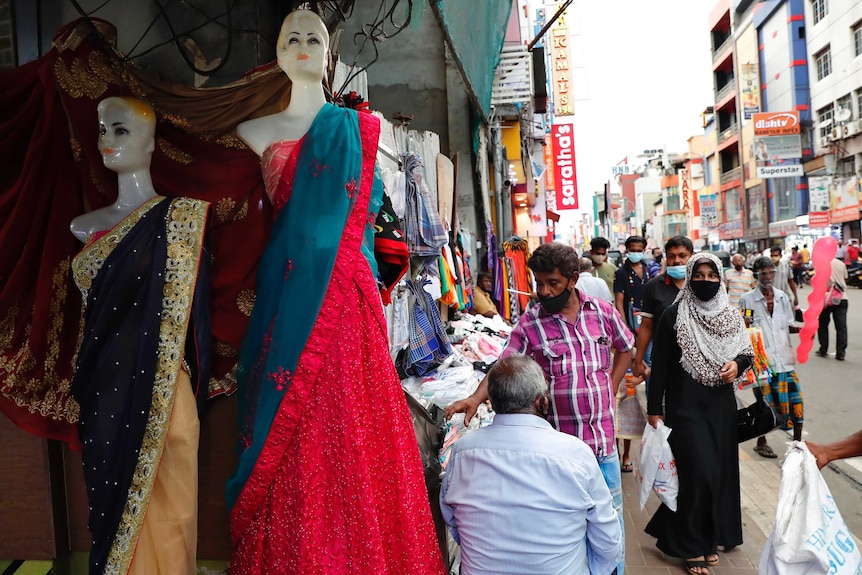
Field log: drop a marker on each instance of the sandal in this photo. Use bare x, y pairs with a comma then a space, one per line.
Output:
764, 450
711, 559
691, 565
627, 467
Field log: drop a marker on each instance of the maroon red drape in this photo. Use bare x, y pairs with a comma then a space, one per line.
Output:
51, 171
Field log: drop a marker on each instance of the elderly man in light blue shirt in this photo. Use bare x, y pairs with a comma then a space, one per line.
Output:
521, 497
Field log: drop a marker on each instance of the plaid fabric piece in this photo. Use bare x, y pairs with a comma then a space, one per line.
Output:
425, 231
429, 344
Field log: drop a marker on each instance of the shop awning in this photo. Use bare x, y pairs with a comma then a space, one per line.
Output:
475, 32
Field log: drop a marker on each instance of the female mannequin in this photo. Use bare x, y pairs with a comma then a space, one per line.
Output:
144, 357
329, 477
126, 127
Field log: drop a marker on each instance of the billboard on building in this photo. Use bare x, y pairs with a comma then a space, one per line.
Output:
565, 173
845, 200
564, 101
709, 210
758, 218
774, 148
776, 124
750, 90
819, 201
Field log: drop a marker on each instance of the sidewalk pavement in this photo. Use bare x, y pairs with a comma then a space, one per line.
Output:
759, 479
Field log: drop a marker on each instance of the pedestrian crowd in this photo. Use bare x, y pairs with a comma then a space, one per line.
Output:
539, 490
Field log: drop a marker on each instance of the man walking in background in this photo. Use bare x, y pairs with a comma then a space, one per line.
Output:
738, 280
592, 285
599, 254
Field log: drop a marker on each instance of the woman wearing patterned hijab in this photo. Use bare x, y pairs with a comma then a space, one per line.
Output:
701, 352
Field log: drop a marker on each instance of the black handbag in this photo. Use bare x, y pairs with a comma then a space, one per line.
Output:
755, 420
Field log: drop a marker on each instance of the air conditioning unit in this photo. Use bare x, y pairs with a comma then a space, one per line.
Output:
824, 141
852, 128
836, 133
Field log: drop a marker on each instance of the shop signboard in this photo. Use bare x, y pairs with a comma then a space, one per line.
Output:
758, 220
548, 159
731, 230
819, 201
819, 194
709, 210
776, 124
750, 90
845, 200
818, 219
564, 102
783, 229
773, 148
565, 173
784, 171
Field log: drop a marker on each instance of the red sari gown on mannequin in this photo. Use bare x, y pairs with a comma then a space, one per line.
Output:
338, 487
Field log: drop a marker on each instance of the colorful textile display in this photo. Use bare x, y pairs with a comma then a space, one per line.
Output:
53, 172
518, 251
761, 369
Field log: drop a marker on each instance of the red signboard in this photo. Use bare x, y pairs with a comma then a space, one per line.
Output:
565, 173
818, 220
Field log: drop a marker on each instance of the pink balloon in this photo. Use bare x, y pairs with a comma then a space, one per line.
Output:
821, 257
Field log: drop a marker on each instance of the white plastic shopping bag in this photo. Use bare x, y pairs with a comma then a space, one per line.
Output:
810, 536
656, 466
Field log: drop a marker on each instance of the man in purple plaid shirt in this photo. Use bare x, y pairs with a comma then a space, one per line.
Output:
584, 348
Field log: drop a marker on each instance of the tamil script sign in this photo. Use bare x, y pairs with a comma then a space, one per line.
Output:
565, 173
789, 170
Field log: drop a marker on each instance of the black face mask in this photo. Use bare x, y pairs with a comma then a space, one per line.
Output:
704, 290
555, 304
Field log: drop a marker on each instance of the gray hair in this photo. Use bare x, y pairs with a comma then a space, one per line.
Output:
514, 384
586, 265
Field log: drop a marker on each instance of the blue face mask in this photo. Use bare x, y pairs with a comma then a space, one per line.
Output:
635, 257
676, 272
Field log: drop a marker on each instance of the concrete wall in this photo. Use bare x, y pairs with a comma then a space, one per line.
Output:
409, 76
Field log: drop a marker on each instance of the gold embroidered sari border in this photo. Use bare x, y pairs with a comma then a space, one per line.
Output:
88, 262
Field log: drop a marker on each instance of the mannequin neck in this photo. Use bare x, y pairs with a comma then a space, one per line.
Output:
134, 188
306, 99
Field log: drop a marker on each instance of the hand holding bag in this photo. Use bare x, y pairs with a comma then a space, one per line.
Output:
755, 420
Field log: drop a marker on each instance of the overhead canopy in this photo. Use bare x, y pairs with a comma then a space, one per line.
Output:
475, 32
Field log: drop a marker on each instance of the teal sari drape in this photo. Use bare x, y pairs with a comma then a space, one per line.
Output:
294, 274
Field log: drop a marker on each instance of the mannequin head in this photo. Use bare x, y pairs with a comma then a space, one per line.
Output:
127, 127
303, 47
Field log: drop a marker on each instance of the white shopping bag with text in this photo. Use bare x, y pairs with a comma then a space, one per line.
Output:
656, 466
810, 536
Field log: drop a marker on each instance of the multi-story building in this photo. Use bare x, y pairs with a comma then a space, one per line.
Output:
834, 36
728, 157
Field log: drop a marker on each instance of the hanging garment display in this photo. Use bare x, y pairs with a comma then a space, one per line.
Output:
425, 232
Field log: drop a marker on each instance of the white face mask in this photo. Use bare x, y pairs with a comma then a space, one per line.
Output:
597, 259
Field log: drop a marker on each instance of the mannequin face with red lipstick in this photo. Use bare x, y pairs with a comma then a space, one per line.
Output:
303, 46
126, 130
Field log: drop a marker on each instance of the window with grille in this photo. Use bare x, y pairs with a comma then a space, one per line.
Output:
844, 102
823, 62
859, 102
820, 9
824, 114
784, 192
857, 38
